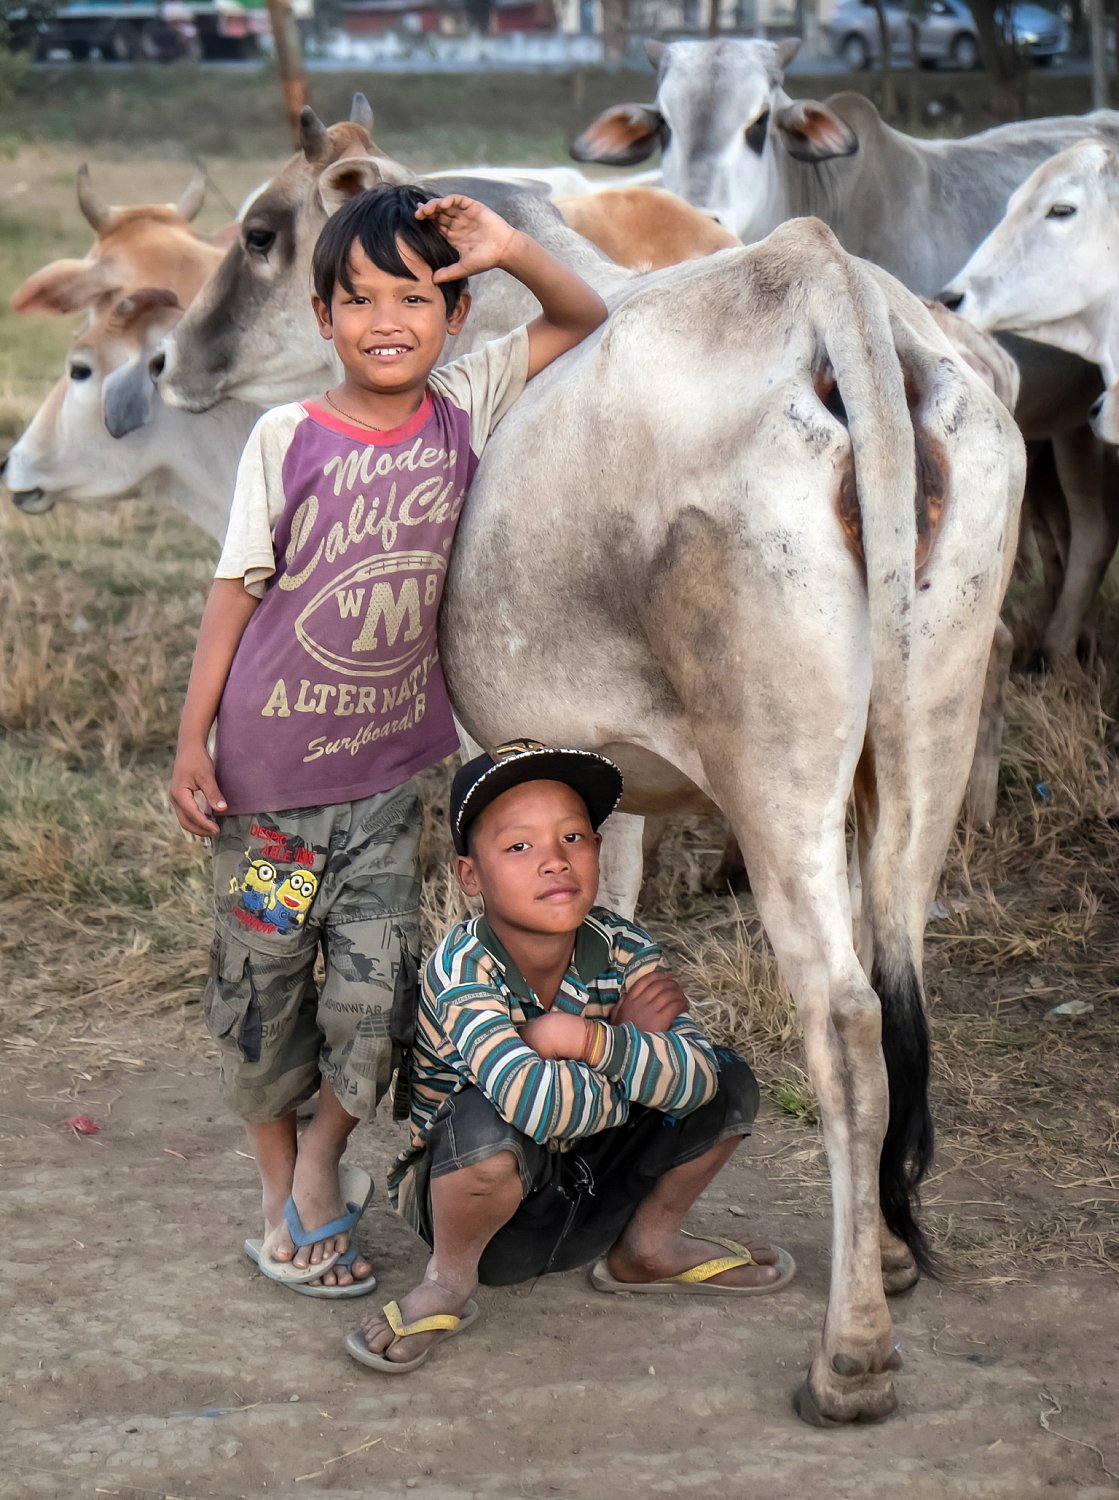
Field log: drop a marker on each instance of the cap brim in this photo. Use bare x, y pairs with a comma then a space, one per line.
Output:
597, 780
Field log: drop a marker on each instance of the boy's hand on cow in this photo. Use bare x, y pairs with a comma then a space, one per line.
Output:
560, 1036
481, 237
194, 772
652, 1002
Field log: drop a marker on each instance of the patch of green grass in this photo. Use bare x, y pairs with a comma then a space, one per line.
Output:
794, 1096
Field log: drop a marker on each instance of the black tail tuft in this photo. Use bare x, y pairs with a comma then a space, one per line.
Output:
907, 1151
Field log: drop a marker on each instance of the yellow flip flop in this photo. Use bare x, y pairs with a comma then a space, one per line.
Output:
696, 1281
445, 1324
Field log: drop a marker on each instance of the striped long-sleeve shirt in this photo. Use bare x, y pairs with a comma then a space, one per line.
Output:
474, 999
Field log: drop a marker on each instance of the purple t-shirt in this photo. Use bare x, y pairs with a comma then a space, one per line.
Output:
336, 691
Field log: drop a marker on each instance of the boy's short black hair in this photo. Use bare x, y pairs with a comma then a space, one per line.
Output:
376, 219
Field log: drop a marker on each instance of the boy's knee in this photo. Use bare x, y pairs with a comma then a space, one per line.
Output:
492, 1177
468, 1133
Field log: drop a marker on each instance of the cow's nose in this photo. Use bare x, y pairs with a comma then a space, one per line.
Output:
950, 299
1095, 411
157, 364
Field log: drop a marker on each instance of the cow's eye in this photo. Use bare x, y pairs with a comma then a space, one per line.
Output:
260, 241
1061, 211
755, 133
78, 371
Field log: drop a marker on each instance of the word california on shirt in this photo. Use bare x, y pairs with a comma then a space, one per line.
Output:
336, 691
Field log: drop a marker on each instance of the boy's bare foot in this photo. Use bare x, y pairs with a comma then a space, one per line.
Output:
423, 1301
318, 1199
680, 1252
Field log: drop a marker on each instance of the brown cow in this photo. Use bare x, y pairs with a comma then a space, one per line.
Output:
130, 243
644, 228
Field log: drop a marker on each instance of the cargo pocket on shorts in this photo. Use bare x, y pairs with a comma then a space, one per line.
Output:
230, 1005
402, 1023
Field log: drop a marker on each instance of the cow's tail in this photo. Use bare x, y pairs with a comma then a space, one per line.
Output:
871, 384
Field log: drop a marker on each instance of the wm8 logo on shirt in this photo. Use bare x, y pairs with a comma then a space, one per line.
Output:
369, 609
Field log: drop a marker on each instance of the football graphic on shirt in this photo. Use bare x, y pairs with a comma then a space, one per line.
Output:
368, 621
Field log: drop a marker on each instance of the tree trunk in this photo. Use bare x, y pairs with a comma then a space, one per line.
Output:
713, 27
1099, 54
1009, 68
615, 29
915, 72
289, 61
888, 102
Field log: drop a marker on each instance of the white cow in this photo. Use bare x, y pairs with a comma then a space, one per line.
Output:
103, 434
697, 544
1050, 269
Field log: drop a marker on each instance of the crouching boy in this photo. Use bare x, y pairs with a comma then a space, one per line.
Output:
565, 1110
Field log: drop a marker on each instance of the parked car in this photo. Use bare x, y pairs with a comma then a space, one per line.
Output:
946, 33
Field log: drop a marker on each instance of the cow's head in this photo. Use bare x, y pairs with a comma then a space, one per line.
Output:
719, 113
250, 334
147, 245
1048, 270
70, 450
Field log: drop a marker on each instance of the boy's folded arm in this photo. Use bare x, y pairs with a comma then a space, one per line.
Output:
546, 1099
673, 1070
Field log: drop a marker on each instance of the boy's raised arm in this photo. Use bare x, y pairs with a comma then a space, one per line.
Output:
570, 308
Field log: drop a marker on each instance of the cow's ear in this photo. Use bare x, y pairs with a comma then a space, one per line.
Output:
813, 132
126, 398
344, 179
622, 135
66, 286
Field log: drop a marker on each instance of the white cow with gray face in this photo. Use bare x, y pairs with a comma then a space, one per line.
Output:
103, 433
1050, 269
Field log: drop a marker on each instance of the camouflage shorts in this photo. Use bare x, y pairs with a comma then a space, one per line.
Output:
342, 880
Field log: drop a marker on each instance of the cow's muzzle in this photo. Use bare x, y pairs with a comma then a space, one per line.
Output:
33, 502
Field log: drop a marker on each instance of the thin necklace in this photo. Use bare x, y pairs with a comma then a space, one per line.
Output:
342, 412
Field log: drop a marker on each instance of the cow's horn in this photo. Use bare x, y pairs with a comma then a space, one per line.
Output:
95, 210
193, 194
313, 135
655, 51
361, 113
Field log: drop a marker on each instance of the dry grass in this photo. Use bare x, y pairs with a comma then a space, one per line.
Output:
106, 904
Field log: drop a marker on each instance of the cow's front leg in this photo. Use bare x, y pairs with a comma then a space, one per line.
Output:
619, 881
851, 1378
1087, 479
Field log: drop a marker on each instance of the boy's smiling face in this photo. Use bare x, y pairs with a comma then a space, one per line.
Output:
533, 859
389, 331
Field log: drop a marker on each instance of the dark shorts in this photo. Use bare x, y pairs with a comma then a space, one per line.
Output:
577, 1202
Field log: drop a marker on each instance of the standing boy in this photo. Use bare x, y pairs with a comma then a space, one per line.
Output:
317, 657
565, 1109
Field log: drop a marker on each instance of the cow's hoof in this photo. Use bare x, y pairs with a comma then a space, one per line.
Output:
899, 1273
844, 1389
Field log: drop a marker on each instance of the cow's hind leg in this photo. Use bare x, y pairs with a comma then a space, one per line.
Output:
798, 868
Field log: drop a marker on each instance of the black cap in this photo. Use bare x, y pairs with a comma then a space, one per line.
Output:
483, 779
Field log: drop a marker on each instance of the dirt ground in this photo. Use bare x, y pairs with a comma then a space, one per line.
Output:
144, 1356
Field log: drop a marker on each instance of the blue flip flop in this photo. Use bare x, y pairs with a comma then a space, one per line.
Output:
357, 1191
328, 1293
